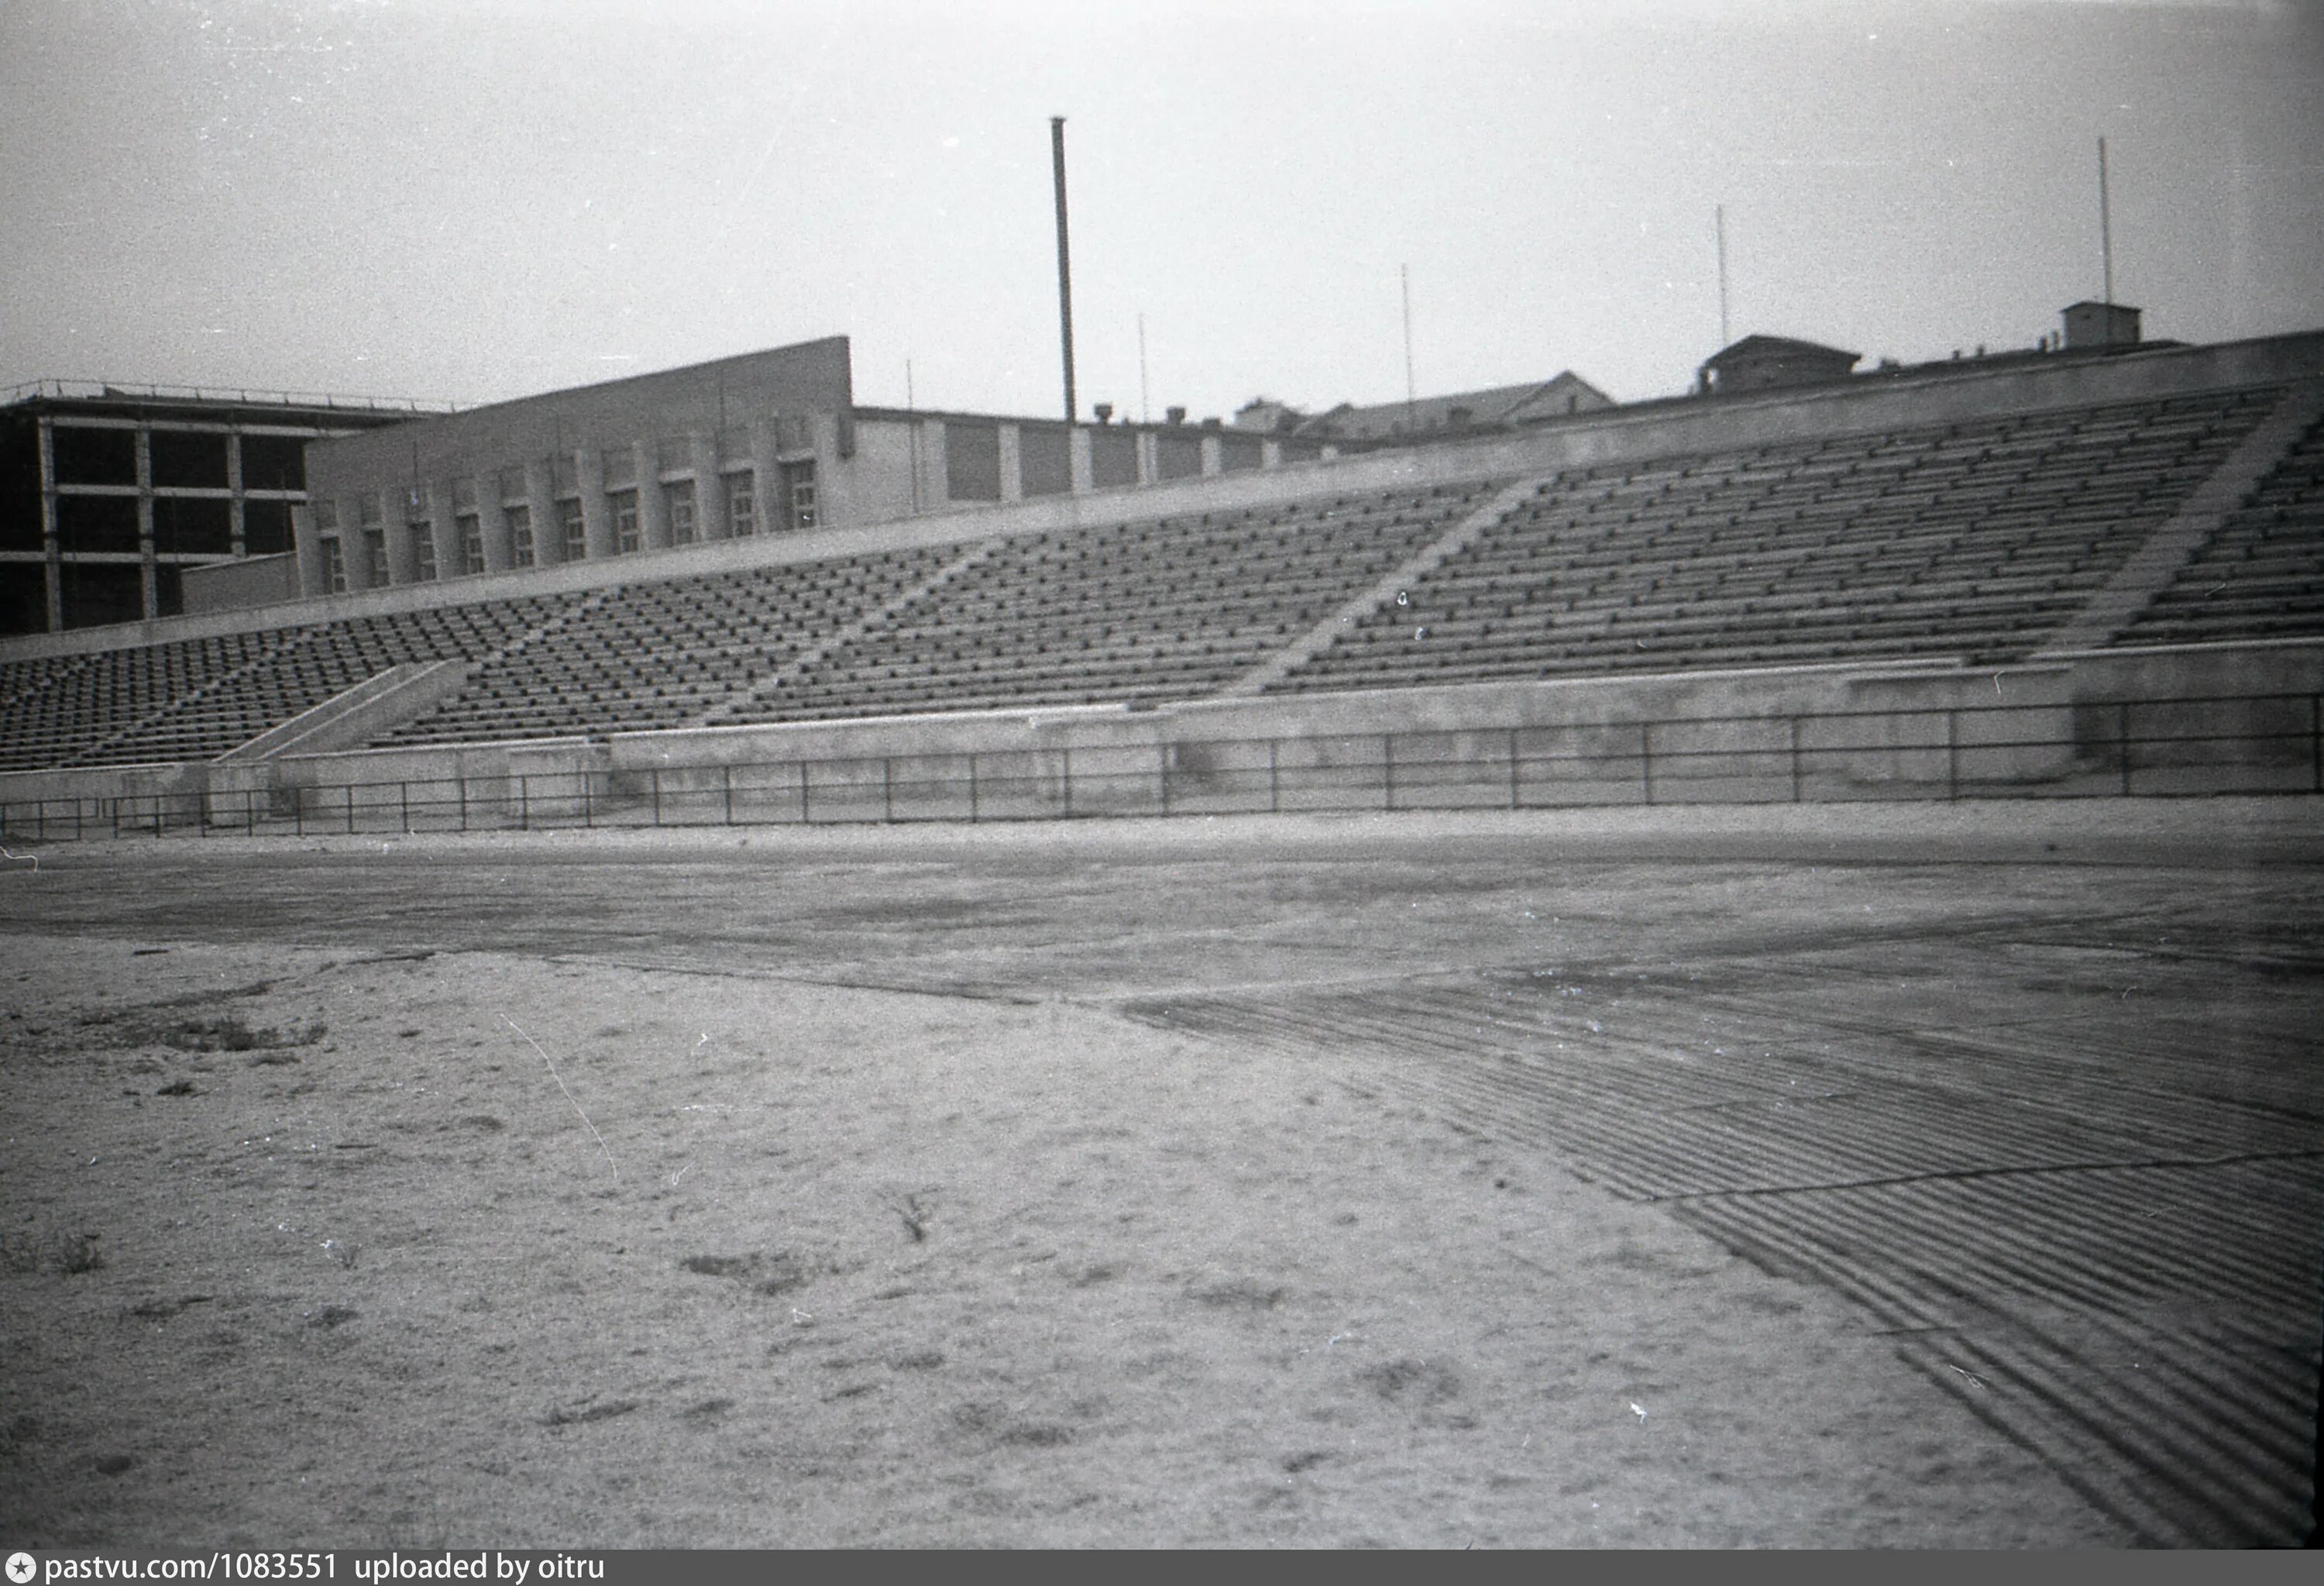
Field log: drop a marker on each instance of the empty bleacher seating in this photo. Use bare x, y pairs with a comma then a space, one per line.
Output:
1972, 539
1174, 608
1976, 538
2261, 574
650, 655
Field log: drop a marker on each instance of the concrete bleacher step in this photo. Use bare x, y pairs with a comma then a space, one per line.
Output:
759, 700
1403, 576
2171, 545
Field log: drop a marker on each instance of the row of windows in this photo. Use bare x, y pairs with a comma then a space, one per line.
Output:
198, 527
178, 458
1045, 457
742, 500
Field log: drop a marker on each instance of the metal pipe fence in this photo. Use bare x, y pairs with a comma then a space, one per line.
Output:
2181, 746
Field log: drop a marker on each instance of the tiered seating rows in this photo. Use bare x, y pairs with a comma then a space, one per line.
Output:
1975, 538
2261, 575
1971, 539
1168, 609
657, 656
315, 663
63, 719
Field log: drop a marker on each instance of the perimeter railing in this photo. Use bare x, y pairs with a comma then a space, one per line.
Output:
2248, 743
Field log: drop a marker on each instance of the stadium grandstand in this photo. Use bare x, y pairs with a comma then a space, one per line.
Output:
644, 587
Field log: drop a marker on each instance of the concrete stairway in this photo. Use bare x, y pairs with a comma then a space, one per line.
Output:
2172, 544
740, 707
1400, 577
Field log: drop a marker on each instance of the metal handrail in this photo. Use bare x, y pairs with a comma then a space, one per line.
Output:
102, 389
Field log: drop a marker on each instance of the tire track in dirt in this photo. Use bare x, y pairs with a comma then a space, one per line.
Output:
2095, 1220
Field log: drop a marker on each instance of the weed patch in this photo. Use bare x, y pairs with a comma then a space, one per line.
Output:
758, 1272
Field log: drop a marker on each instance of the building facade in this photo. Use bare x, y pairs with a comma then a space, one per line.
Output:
110, 496
765, 443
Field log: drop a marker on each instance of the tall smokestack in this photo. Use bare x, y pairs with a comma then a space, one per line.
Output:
1065, 260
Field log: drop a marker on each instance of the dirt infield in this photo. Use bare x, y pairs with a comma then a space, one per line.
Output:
1717, 1179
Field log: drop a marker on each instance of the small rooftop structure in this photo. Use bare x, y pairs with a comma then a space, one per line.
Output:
1504, 407
1772, 362
2092, 325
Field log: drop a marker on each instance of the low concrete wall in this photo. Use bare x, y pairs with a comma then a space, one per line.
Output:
240, 585
2055, 728
94, 803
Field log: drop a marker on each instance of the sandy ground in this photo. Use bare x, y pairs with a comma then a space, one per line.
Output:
833, 1267
887, 1224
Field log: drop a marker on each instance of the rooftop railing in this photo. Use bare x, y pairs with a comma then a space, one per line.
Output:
110, 391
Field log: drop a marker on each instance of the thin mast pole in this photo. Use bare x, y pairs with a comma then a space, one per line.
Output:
1720, 214
1404, 276
1065, 260
912, 428
2106, 230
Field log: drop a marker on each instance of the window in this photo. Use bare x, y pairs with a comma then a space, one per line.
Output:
971, 461
471, 542
265, 527
94, 456
195, 526
519, 522
742, 503
572, 531
423, 554
97, 522
95, 593
187, 459
625, 521
1114, 456
375, 556
273, 461
335, 567
1045, 461
1177, 456
681, 513
798, 493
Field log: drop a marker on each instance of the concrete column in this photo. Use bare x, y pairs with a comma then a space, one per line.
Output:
1084, 471
653, 508
541, 496
596, 513
770, 475
52, 553
499, 557
927, 450
443, 533
709, 492
307, 545
403, 549
234, 483
1213, 454
149, 594
1012, 463
355, 540
1149, 463
1270, 453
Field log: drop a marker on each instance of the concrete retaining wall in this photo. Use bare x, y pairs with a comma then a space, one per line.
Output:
2055, 728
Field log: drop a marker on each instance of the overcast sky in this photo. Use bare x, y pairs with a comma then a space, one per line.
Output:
483, 200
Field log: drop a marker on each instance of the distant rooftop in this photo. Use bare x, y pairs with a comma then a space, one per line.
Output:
116, 390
